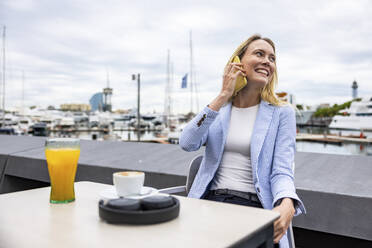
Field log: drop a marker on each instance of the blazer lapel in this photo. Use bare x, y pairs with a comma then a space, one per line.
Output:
260, 129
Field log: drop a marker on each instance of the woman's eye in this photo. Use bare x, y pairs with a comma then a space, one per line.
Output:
259, 53
272, 59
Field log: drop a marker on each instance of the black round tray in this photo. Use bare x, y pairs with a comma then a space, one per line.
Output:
140, 217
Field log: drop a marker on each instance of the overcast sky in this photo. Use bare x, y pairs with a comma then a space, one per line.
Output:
64, 48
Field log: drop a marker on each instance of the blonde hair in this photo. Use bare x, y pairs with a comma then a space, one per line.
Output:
267, 93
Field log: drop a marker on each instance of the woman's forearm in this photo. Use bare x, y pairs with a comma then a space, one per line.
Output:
195, 133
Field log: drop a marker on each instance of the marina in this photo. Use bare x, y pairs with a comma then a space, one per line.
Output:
350, 127
158, 128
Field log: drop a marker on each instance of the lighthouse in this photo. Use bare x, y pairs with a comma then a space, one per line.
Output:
354, 86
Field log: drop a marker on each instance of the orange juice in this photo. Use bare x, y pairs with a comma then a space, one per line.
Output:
62, 164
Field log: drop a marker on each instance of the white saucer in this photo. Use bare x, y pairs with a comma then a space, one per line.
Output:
110, 193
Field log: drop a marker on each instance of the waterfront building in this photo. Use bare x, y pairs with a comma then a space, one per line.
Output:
96, 102
75, 107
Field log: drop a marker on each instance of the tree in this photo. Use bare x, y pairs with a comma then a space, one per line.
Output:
332, 111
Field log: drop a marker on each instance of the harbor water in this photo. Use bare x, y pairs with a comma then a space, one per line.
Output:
342, 149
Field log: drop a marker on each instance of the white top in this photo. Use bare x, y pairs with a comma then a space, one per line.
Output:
29, 220
235, 170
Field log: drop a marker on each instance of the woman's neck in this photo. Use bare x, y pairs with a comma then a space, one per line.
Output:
247, 98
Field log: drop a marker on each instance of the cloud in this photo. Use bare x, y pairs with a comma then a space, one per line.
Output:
64, 48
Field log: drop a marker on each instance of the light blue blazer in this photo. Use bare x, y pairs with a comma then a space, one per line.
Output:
272, 152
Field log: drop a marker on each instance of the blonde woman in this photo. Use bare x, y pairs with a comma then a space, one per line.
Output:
250, 140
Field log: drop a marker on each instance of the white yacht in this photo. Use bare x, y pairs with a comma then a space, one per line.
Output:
67, 122
143, 124
48, 120
105, 119
93, 121
357, 117
10, 120
121, 121
24, 123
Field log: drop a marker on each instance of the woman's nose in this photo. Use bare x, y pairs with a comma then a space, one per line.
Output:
266, 60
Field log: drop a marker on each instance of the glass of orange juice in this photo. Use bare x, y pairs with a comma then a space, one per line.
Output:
62, 155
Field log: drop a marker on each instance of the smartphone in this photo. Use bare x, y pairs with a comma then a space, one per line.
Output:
241, 81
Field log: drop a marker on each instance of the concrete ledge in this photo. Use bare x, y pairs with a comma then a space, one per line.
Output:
337, 193
344, 215
338, 174
165, 165
335, 189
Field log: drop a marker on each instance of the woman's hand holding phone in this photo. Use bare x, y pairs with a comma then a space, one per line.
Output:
231, 75
230, 78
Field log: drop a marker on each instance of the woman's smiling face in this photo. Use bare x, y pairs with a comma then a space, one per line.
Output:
259, 62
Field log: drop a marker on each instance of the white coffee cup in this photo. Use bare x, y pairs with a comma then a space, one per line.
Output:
128, 182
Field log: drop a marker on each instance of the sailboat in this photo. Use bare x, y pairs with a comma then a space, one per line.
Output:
3, 123
193, 85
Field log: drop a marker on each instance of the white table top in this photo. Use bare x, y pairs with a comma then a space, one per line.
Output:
27, 219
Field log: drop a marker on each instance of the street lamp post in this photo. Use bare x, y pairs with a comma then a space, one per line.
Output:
134, 77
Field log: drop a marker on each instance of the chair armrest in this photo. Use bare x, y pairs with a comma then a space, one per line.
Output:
173, 190
291, 237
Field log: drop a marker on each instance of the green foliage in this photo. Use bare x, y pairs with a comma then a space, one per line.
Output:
299, 106
332, 111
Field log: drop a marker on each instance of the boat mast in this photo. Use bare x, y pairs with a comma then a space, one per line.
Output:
3, 123
191, 76
23, 93
171, 82
193, 88
167, 92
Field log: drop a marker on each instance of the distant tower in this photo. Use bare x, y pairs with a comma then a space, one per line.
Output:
107, 93
354, 86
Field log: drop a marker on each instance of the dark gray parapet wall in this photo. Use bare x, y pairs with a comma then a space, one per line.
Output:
165, 165
337, 193
336, 189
